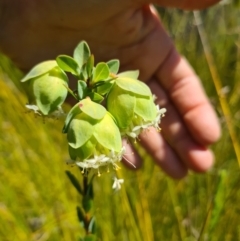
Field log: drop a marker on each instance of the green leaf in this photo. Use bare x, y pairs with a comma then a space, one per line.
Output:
105, 88
83, 74
89, 66
113, 65
101, 72
133, 74
71, 92
74, 181
79, 132
81, 53
87, 204
134, 86
90, 190
99, 83
68, 64
50, 90
121, 105
96, 97
107, 134
71, 114
145, 108
81, 215
82, 89
40, 69
92, 109
92, 226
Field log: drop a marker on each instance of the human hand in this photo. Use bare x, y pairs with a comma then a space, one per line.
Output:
132, 32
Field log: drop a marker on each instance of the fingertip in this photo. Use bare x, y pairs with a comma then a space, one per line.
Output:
179, 174
217, 133
206, 129
202, 160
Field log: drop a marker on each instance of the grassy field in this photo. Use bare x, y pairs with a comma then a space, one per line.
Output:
37, 201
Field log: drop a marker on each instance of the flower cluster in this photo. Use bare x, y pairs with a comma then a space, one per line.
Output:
94, 130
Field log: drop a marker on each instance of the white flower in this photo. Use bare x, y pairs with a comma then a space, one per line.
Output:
102, 160
34, 108
55, 114
160, 113
134, 131
117, 183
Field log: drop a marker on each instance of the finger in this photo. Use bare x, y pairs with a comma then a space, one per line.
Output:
131, 157
194, 155
163, 154
187, 95
160, 151
184, 4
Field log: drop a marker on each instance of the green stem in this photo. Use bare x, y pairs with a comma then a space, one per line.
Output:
71, 92
217, 83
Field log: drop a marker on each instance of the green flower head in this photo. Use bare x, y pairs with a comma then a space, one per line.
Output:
93, 137
47, 85
131, 103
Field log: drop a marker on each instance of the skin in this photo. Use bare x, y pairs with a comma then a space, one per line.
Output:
33, 31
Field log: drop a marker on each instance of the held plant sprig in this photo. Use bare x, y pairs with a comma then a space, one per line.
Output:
94, 131
109, 106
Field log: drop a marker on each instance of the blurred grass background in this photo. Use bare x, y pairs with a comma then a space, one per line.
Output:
37, 201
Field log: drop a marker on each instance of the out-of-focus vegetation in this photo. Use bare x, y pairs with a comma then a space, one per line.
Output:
37, 201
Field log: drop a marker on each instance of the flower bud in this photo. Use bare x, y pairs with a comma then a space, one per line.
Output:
131, 103
93, 137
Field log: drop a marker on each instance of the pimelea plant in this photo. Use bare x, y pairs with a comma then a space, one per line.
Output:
109, 106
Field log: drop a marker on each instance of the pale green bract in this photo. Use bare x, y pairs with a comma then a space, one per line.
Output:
94, 139
40, 69
90, 108
133, 74
131, 103
47, 87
